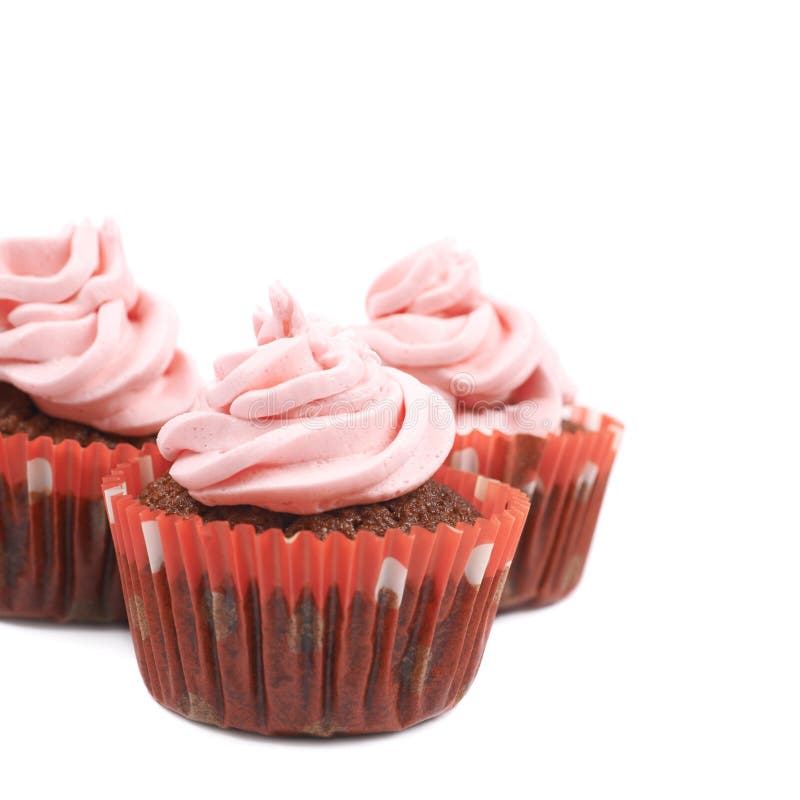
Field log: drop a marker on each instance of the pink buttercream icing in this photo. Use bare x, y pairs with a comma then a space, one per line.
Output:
307, 421
83, 341
492, 361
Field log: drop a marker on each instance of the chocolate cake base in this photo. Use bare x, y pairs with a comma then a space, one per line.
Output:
559, 535
275, 667
315, 635
559, 529
56, 554
565, 477
19, 414
426, 506
57, 558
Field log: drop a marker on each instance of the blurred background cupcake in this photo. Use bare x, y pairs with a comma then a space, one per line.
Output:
514, 405
302, 562
89, 371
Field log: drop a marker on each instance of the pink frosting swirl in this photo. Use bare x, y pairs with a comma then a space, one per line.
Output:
429, 318
307, 421
79, 337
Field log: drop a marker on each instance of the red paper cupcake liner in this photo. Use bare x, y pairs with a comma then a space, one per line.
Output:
278, 635
565, 476
56, 555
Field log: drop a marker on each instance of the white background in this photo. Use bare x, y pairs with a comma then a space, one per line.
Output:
629, 172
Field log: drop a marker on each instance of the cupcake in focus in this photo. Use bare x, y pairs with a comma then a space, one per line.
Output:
89, 371
514, 405
302, 563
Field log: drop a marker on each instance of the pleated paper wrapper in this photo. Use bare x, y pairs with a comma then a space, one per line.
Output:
565, 475
56, 555
277, 635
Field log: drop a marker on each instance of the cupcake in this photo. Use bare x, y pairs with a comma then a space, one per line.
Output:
302, 561
514, 405
88, 374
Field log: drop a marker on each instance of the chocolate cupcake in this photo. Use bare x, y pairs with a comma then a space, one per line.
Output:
302, 563
514, 405
88, 373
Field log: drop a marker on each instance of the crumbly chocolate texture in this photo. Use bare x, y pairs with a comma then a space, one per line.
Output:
166, 494
19, 414
426, 506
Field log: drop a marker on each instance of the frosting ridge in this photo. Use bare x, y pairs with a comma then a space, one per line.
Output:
308, 420
83, 341
429, 317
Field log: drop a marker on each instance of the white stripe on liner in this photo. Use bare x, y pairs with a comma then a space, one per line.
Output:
152, 541
477, 562
393, 577
121, 489
531, 487
587, 478
481, 486
146, 470
465, 460
40, 476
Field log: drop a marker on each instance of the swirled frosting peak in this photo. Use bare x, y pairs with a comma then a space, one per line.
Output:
83, 341
307, 421
438, 279
491, 360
